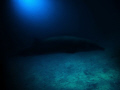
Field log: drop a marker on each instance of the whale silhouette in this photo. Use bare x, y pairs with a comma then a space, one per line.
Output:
63, 44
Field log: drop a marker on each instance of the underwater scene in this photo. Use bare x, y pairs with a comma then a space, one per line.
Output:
60, 45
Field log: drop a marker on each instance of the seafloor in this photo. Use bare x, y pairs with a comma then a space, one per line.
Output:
95, 70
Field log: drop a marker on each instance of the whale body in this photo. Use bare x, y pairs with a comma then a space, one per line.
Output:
63, 44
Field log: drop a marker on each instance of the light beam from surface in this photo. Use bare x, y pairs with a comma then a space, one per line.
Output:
33, 10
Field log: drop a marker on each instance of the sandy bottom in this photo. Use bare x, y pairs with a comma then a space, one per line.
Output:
80, 71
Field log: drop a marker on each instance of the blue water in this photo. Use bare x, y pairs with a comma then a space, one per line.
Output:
27, 20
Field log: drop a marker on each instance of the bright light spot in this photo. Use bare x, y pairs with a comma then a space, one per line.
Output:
34, 10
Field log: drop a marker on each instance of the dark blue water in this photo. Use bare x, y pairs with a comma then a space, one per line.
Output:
61, 65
